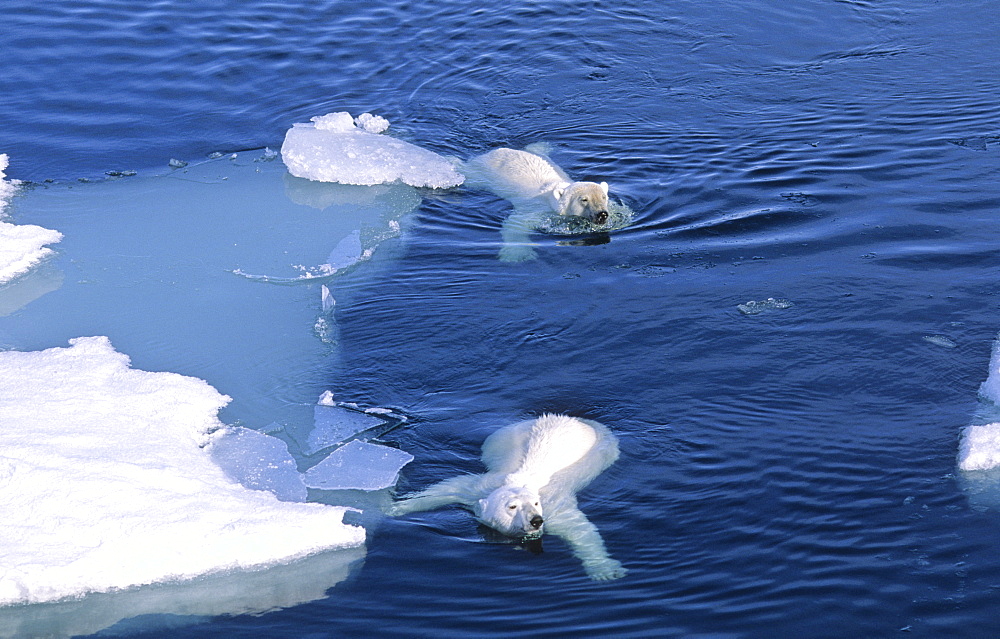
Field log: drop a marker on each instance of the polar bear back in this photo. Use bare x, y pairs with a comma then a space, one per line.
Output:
557, 448
514, 175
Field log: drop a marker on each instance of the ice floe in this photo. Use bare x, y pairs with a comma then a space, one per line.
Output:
21, 246
334, 425
110, 473
379, 467
260, 462
339, 148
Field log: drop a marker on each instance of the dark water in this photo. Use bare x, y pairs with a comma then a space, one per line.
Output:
785, 474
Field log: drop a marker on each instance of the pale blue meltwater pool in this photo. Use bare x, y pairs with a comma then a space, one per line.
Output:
788, 338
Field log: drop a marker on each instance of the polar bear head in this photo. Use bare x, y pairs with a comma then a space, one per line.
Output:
515, 511
583, 199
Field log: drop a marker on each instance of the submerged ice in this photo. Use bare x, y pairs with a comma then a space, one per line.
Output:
109, 471
338, 148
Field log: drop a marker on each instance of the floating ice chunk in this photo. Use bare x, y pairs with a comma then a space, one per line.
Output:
269, 155
106, 470
7, 187
770, 304
21, 246
340, 122
358, 465
347, 252
979, 448
259, 462
990, 389
333, 149
940, 340
335, 424
326, 298
326, 399
372, 123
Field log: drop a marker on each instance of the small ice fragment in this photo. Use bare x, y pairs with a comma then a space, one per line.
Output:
753, 307
215, 155
259, 462
269, 155
326, 399
341, 122
177, 164
371, 123
347, 252
327, 299
335, 424
990, 389
358, 465
940, 340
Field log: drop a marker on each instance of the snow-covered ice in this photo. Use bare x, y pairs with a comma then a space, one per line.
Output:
339, 148
21, 246
339, 471
109, 471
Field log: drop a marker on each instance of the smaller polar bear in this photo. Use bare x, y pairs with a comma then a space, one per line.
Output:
534, 470
534, 185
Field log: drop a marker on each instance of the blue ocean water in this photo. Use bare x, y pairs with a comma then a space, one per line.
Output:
785, 474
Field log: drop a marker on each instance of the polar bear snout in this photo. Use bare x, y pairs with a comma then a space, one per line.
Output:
536, 522
600, 217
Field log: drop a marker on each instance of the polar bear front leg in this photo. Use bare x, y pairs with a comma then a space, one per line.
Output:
516, 236
587, 544
457, 490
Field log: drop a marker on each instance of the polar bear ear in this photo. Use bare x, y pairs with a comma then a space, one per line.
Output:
604, 187
558, 193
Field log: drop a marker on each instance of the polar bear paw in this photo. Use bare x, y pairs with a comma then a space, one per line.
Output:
513, 253
605, 569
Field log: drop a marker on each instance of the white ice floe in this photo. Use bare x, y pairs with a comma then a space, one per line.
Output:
339, 471
21, 246
109, 473
339, 148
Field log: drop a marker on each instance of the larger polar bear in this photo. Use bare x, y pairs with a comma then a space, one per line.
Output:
534, 185
534, 470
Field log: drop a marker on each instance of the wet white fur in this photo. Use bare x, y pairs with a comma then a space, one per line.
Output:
534, 185
545, 460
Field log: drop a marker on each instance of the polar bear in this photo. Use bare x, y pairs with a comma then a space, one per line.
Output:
534, 470
534, 185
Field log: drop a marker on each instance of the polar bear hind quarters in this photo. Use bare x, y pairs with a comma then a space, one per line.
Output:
534, 470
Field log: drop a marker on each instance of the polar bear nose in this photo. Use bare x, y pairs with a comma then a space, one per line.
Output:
536, 522
601, 217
